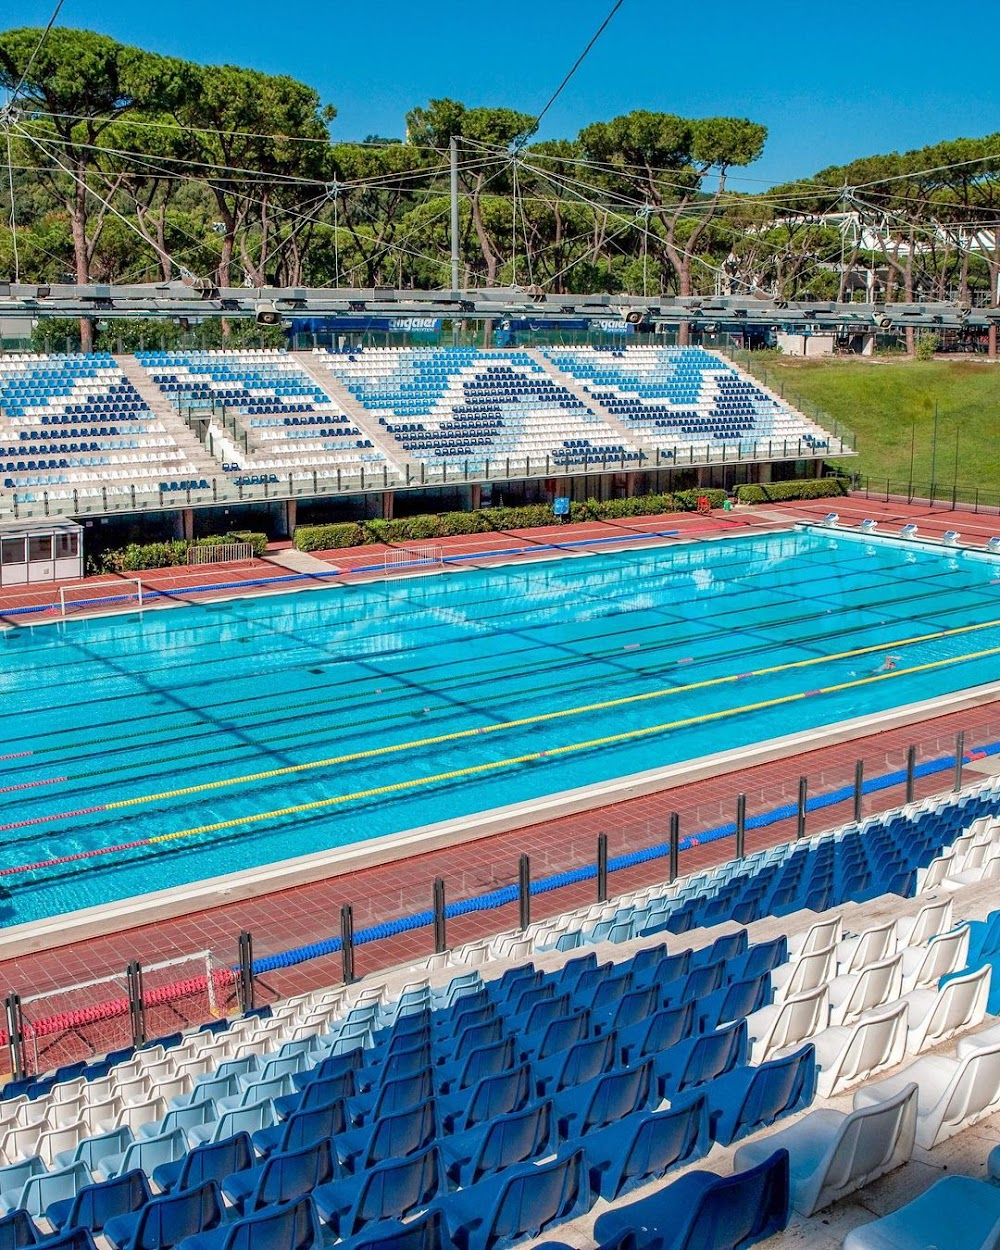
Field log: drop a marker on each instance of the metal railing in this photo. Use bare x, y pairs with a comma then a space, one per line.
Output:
317, 484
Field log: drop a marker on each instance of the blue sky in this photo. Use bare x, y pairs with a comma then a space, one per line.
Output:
830, 83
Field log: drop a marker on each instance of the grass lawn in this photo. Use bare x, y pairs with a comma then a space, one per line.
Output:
886, 403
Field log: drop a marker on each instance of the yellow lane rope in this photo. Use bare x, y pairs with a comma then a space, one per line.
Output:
537, 718
474, 769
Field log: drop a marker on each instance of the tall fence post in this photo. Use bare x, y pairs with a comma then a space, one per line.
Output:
15, 1036
602, 867
244, 980
800, 831
911, 770
741, 825
136, 1006
859, 788
347, 942
675, 839
440, 930
959, 758
524, 891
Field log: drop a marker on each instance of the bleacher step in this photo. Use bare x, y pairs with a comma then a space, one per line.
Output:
575, 388
394, 452
161, 408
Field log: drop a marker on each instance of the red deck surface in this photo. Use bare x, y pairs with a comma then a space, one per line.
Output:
310, 913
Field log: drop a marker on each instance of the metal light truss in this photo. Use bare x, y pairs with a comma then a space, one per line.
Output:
200, 299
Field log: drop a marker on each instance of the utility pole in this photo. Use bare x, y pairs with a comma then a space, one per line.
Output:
454, 213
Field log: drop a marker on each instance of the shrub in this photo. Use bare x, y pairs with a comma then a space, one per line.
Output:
523, 518
927, 345
329, 537
777, 492
462, 523
425, 526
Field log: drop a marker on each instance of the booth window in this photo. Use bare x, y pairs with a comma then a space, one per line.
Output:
40, 549
67, 546
12, 551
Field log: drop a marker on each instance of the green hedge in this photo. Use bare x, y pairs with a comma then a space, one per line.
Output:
777, 492
529, 516
138, 556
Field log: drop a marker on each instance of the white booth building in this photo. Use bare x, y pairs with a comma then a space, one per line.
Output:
40, 550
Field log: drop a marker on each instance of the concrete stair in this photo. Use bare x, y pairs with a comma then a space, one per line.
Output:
193, 448
394, 452
575, 388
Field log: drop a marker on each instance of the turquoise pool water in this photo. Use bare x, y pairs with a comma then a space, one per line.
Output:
132, 706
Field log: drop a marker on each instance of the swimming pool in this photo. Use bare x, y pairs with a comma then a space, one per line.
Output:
377, 708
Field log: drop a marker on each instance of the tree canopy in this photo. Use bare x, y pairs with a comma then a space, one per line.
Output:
130, 165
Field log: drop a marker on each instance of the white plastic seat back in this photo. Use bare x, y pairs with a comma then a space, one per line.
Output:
817, 937
930, 920
783, 1026
849, 1054
924, 966
936, 1015
854, 953
852, 995
832, 1154
930, 878
806, 973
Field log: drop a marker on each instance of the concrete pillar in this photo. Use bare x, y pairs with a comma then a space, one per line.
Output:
388, 501
629, 485
704, 475
475, 496
764, 472
184, 523
291, 516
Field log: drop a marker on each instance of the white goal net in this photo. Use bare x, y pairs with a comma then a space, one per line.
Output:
423, 555
96, 595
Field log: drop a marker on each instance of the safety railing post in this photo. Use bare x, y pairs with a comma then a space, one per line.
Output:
741, 825
136, 1006
347, 942
800, 831
524, 891
440, 931
602, 867
675, 839
911, 769
15, 1036
859, 788
959, 758
244, 980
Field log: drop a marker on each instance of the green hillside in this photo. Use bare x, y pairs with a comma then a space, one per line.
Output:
888, 403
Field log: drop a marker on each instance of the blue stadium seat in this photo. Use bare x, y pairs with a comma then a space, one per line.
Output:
522, 1201
702, 1211
642, 1148
211, 1162
166, 1221
500, 1143
94, 1205
749, 1099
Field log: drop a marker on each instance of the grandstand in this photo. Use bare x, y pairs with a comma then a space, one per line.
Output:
76, 428
279, 420
632, 1074
175, 429
463, 404
679, 399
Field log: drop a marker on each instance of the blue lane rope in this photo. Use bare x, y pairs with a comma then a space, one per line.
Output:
505, 895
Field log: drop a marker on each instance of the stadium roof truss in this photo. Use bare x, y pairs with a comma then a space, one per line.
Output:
200, 299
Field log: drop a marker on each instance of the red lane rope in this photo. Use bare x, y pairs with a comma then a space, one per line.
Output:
30, 785
41, 820
16, 755
69, 859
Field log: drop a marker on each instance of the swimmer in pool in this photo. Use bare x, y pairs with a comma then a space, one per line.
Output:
888, 664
